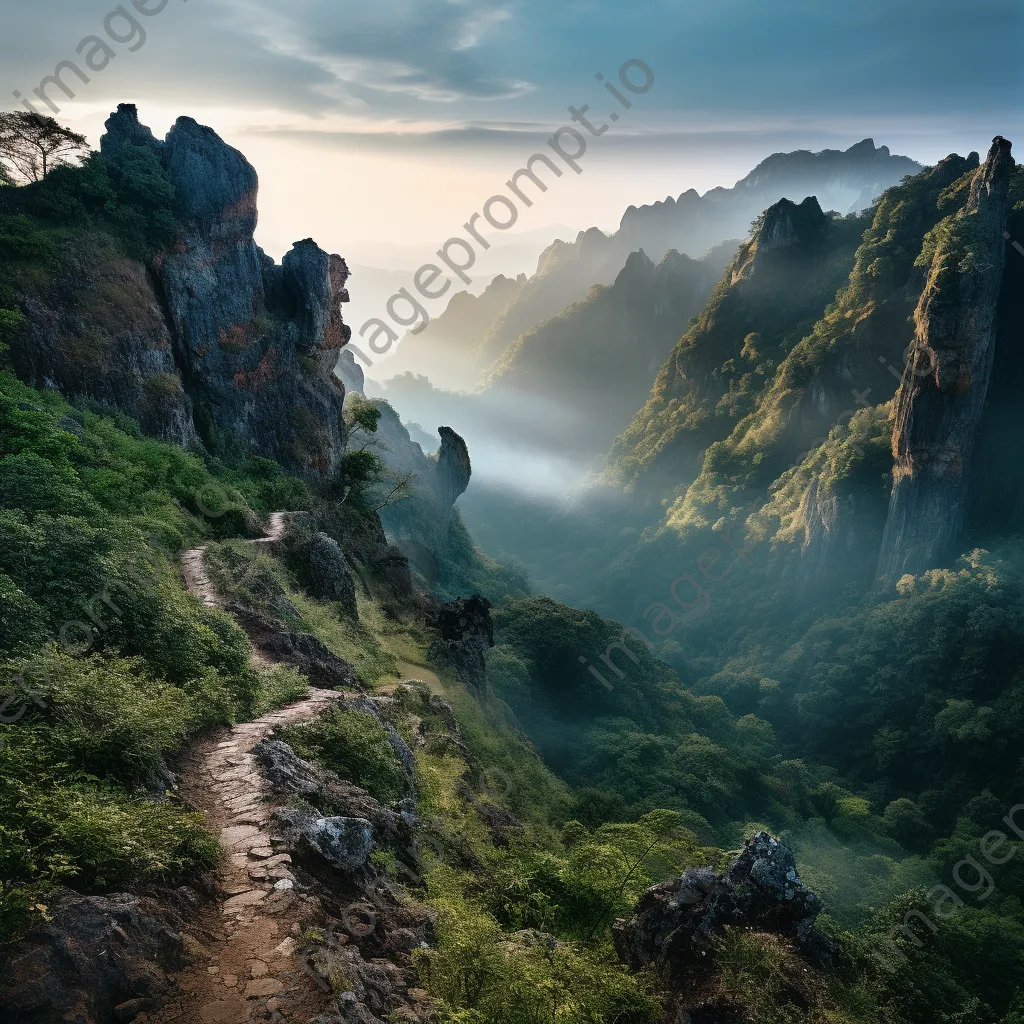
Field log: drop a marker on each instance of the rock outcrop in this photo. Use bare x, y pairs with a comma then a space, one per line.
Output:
676, 923
214, 339
453, 469
787, 223
95, 330
465, 635
350, 372
942, 396
321, 666
318, 561
91, 954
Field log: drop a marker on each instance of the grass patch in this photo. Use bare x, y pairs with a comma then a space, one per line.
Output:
354, 745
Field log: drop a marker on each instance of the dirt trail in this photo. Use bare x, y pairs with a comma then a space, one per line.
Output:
243, 969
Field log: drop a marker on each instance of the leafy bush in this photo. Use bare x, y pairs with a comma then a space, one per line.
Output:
520, 979
355, 746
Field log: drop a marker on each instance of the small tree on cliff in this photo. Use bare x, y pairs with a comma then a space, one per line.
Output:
363, 469
32, 145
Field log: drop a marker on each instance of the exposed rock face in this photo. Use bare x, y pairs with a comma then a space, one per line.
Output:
942, 396
787, 224
96, 330
255, 343
343, 843
675, 924
451, 477
319, 562
466, 635
321, 666
350, 372
420, 523
92, 954
329, 572
291, 775
439, 479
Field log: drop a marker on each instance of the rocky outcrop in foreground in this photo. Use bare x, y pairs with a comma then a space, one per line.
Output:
676, 924
214, 338
90, 957
942, 396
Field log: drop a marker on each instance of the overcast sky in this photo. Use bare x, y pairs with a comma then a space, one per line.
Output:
378, 127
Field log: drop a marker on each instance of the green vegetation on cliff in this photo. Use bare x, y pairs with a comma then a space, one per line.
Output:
108, 664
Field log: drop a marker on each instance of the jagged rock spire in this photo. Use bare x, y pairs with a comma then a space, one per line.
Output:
942, 396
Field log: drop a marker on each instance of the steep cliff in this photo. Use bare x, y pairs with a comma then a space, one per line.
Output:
779, 282
942, 396
205, 336
773, 411
256, 343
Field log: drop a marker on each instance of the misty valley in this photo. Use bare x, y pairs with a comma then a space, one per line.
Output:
640, 640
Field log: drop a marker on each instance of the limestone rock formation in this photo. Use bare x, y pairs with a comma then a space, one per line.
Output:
319, 562
254, 344
451, 477
350, 372
675, 924
942, 397
329, 572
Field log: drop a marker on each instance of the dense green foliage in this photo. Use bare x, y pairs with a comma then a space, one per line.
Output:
108, 664
877, 730
128, 197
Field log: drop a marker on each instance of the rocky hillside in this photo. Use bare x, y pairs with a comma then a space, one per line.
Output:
812, 368
776, 287
208, 340
693, 224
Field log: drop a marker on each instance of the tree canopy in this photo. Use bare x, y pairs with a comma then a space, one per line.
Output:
32, 145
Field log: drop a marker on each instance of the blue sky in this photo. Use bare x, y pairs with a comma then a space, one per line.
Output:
373, 121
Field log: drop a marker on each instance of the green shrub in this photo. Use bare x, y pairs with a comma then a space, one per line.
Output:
478, 973
355, 746
279, 686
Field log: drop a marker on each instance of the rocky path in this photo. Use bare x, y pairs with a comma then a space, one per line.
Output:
243, 968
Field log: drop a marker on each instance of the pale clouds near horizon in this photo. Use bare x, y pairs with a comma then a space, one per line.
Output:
387, 124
